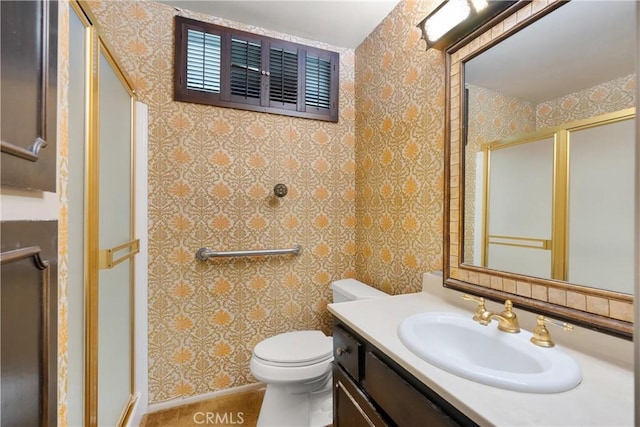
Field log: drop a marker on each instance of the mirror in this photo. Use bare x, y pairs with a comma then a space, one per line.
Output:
541, 206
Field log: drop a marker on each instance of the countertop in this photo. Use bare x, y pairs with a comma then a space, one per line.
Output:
604, 398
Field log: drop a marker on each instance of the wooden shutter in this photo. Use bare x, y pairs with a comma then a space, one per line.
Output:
246, 69
318, 82
203, 61
283, 77
230, 68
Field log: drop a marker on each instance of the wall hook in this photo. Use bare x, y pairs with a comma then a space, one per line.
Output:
280, 190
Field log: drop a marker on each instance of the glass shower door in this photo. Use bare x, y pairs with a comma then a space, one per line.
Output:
111, 224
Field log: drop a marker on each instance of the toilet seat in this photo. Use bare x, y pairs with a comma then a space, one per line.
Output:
295, 349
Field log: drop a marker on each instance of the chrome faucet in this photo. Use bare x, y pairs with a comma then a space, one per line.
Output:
507, 319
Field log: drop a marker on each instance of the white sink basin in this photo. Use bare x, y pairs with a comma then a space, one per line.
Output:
461, 346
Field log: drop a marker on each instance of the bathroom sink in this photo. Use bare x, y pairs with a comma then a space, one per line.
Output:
461, 346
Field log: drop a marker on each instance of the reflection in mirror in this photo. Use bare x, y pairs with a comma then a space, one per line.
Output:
519, 207
550, 140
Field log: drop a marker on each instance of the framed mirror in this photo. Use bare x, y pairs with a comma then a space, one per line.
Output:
540, 195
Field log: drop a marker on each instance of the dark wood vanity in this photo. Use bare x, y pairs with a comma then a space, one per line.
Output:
370, 389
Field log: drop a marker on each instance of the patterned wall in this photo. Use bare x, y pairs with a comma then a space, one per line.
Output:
63, 194
211, 173
604, 98
399, 152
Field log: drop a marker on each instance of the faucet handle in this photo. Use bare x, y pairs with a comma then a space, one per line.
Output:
541, 336
480, 309
508, 310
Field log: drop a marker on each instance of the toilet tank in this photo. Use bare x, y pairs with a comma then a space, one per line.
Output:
351, 290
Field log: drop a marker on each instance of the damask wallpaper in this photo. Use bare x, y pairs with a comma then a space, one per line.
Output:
399, 152
63, 194
604, 98
211, 175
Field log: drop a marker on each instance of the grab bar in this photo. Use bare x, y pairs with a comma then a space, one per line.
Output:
204, 254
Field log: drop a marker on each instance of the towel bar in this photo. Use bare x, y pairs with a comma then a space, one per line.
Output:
204, 254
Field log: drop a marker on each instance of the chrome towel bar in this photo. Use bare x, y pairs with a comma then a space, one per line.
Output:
204, 254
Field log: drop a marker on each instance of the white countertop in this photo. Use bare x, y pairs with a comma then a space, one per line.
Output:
604, 398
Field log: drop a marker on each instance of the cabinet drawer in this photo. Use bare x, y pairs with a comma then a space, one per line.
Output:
346, 352
351, 408
405, 405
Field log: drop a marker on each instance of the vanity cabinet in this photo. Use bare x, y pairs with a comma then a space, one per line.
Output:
370, 389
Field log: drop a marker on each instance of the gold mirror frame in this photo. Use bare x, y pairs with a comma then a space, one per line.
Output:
605, 311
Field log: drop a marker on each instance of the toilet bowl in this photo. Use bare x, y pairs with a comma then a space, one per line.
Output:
296, 367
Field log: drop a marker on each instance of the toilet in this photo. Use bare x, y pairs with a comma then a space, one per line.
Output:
296, 367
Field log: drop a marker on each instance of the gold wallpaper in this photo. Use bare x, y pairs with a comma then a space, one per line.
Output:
399, 152
604, 98
211, 173
63, 194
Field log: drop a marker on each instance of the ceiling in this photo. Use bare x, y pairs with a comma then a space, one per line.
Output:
342, 23
579, 45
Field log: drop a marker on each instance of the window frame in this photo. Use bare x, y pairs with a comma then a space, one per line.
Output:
225, 99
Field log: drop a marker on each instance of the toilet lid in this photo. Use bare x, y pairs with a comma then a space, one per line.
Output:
295, 347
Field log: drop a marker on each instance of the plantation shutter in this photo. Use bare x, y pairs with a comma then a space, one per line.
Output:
203, 61
283, 78
318, 82
229, 68
246, 67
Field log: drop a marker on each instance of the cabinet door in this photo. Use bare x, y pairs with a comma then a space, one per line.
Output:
28, 66
398, 399
346, 352
351, 408
28, 323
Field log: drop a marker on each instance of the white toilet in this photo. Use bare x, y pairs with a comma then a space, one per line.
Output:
296, 367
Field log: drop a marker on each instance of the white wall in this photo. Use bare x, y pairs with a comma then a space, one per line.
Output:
16, 205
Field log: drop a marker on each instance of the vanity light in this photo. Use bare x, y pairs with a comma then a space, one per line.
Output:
450, 14
479, 5
454, 19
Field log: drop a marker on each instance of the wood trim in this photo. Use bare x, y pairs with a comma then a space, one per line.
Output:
581, 318
22, 253
30, 153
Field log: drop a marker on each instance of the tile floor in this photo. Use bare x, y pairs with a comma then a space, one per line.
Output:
233, 410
